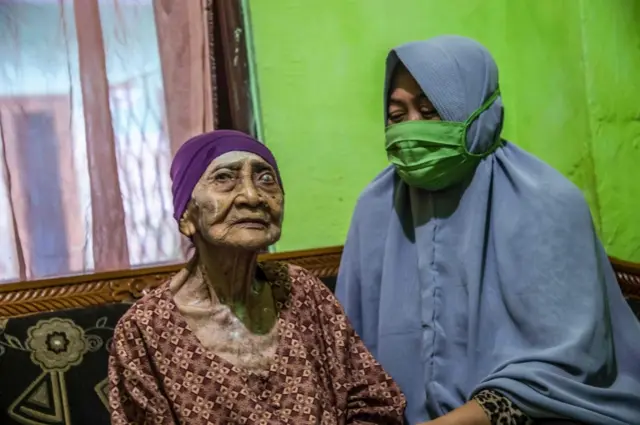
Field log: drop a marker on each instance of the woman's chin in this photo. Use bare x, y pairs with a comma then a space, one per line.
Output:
251, 239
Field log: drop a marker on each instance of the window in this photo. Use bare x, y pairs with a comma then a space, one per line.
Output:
87, 137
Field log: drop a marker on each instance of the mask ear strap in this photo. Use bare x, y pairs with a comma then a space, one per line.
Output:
482, 108
486, 105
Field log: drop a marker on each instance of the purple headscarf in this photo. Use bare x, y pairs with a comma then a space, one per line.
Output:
195, 155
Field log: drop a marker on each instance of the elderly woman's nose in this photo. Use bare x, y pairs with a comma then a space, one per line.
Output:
249, 194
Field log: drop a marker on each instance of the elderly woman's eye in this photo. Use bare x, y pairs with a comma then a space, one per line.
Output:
267, 178
223, 177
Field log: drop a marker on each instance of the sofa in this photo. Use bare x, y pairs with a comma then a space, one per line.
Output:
55, 335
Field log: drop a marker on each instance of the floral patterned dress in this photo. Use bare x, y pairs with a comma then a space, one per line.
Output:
160, 373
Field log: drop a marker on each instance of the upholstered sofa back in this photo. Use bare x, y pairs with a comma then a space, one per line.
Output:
55, 337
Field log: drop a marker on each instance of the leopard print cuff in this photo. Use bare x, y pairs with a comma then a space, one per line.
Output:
500, 410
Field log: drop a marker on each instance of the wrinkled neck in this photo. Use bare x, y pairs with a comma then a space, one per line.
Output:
229, 272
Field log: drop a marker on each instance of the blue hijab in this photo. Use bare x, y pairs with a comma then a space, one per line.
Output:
498, 283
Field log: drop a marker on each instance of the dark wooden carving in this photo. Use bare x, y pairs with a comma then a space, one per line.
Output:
19, 302
230, 66
213, 62
23, 298
628, 275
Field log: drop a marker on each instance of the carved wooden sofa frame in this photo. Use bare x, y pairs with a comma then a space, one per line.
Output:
19, 299
23, 298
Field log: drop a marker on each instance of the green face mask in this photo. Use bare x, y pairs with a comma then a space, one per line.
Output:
433, 155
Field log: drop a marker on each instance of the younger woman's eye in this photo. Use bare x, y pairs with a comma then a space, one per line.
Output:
428, 113
396, 116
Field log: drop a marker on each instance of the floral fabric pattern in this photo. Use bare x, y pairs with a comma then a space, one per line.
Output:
57, 344
53, 366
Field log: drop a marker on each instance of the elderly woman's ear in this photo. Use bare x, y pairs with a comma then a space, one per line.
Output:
185, 224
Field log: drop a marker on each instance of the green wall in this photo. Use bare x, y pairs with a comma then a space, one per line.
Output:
570, 76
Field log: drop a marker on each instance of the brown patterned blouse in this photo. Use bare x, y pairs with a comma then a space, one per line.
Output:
322, 374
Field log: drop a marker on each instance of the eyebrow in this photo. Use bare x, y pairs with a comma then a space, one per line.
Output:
235, 165
421, 97
262, 165
256, 165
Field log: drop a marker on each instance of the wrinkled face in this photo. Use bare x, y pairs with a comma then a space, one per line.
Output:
407, 102
237, 202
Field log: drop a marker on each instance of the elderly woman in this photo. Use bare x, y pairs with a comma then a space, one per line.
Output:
229, 340
472, 270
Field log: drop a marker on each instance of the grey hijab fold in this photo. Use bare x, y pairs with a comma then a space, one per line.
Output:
499, 283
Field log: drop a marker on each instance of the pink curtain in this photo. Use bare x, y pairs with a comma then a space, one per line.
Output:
88, 131
186, 65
